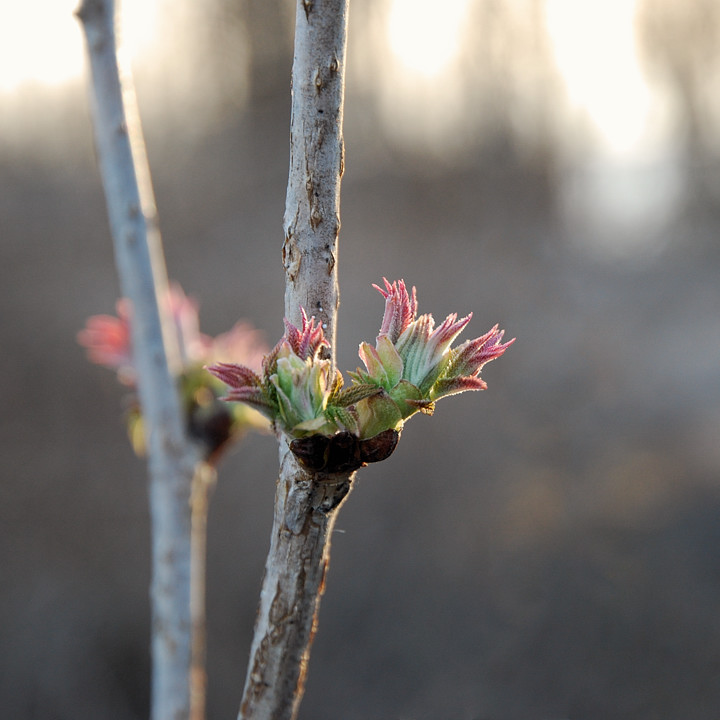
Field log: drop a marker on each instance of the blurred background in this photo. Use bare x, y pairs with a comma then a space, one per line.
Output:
548, 549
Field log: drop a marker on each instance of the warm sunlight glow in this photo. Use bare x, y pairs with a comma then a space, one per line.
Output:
629, 185
41, 42
424, 34
595, 50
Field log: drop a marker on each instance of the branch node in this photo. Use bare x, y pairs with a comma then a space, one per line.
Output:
292, 258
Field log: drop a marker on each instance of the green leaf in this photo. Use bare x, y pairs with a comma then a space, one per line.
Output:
408, 398
354, 394
376, 414
316, 425
337, 384
431, 378
344, 418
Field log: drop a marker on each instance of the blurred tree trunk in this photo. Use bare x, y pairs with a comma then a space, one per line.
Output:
681, 41
306, 505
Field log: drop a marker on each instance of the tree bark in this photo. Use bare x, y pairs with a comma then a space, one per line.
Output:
173, 460
312, 206
305, 510
306, 505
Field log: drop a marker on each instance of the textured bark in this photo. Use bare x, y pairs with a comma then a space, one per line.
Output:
306, 504
312, 207
305, 510
173, 461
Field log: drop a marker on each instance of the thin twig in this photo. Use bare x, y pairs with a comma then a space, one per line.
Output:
306, 505
203, 486
173, 461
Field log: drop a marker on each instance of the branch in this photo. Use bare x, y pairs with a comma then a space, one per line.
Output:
305, 512
306, 504
202, 487
173, 461
312, 205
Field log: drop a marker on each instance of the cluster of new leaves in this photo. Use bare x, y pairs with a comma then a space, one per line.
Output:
413, 361
410, 367
212, 423
298, 390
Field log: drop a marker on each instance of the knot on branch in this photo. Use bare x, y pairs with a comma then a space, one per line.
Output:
343, 452
329, 494
90, 10
291, 257
311, 497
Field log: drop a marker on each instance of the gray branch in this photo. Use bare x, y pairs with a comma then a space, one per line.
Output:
312, 206
138, 253
306, 505
305, 512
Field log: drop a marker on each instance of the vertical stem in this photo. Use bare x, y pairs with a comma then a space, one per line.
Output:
306, 505
312, 206
202, 488
138, 253
305, 511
